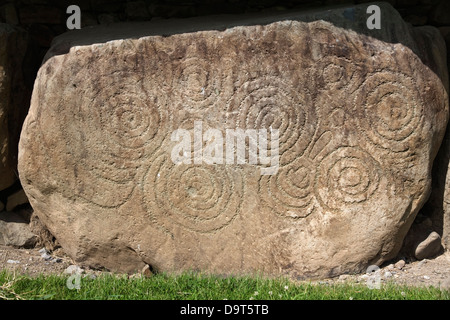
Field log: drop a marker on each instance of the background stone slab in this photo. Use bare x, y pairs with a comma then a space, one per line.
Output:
7, 176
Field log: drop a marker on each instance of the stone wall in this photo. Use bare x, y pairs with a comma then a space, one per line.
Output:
45, 19
39, 21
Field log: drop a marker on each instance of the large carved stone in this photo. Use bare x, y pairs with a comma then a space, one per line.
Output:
359, 123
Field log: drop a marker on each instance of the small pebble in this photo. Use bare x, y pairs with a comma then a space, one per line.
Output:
13, 261
422, 262
46, 256
400, 264
426, 277
364, 277
387, 274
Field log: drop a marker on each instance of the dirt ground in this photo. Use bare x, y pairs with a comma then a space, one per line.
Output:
31, 262
427, 272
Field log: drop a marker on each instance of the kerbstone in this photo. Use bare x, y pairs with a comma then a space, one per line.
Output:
359, 121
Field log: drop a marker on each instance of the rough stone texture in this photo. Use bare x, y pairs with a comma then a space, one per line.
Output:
14, 231
360, 123
44, 237
429, 247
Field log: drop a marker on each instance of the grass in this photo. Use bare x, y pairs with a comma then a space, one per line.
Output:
194, 286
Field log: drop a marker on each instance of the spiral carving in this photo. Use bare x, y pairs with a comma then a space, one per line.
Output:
347, 176
269, 102
199, 198
390, 110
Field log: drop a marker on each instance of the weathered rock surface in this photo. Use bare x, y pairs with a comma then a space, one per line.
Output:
360, 121
429, 247
14, 231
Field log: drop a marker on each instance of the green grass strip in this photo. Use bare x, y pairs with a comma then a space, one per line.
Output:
194, 286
